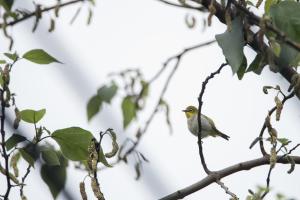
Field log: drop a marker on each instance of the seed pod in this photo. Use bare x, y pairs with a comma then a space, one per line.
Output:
17, 119
273, 157
96, 189
279, 107
82, 191
93, 156
13, 163
115, 146
212, 12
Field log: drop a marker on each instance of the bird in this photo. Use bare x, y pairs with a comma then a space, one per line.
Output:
207, 125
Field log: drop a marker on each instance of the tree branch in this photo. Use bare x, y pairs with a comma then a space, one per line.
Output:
32, 14
211, 178
207, 171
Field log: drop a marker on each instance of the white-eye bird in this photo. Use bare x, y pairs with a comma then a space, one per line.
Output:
207, 125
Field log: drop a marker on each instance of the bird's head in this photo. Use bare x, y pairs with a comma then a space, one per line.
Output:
190, 111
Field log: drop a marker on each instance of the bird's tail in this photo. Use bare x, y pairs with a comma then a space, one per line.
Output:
226, 137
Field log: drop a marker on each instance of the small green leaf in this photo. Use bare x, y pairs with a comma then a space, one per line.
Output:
39, 56
73, 142
2, 61
13, 56
32, 116
93, 106
28, 155
101, 158
257, 64
145, 88
128, 110
14, 140
232, 43
240, 73
107, 93
50, 157
283, 141
54, 177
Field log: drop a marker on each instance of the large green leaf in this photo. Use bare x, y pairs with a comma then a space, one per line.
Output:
32, 116
286, 17
54, 177
39, 56
14, 140
128, 110
50, 156
107, 93
232, 43
73, 142
93, 106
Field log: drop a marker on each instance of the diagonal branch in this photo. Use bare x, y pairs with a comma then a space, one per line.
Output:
32, 14
211, 178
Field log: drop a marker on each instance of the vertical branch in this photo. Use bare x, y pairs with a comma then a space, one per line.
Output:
199, 117
4, 153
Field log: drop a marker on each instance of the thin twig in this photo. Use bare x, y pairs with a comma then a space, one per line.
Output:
182, 5
23, 180
199, 117
32, 14
224, 187
4, 153
178, 58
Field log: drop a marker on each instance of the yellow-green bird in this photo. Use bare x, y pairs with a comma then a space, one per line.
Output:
207, 125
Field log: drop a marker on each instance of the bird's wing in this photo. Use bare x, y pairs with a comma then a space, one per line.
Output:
210, 121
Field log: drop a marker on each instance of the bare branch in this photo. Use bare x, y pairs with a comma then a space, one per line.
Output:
182, 5
32, 14
211, 178
199, 117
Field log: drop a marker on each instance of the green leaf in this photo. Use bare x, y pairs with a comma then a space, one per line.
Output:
32, 116
128, 110
39, 56
286, 17
2, 61
145, 88
257, 64
6, 4
107, 93
93, 106
268, 4
14, 140
240, 73
50, 157
283, 141
232, 43
11, 56
101, 158
54, 177
74, 142
30, 153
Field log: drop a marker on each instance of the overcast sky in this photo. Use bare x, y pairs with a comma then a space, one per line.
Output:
144, 33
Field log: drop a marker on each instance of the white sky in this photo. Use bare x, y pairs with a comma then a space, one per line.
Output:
144, 33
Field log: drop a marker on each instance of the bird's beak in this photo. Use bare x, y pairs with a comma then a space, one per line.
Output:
184, 110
